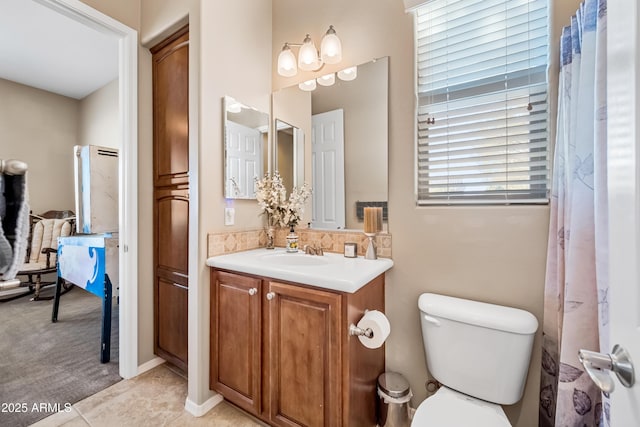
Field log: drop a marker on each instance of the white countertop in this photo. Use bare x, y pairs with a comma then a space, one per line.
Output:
330, 271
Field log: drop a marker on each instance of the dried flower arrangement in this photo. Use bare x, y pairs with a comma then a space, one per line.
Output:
272, 199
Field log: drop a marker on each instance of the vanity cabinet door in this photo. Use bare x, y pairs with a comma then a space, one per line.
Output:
304, 353
235, 339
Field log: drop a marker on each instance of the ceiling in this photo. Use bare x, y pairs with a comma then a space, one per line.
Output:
47, 50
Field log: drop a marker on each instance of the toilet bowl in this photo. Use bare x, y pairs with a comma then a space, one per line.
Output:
480, 354
449, 408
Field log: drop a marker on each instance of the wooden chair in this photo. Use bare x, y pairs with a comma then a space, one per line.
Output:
42, 252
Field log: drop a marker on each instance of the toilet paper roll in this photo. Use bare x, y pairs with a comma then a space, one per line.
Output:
379, 324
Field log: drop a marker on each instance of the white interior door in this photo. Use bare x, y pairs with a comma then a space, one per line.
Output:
244, 159
623, 82
327, 141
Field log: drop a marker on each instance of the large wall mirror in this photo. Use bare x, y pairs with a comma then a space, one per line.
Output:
346, 157
246, 136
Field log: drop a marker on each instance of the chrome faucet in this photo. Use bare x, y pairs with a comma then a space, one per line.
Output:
313, 250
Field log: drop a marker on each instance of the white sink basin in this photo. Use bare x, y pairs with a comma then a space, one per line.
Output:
297, 259
330, 271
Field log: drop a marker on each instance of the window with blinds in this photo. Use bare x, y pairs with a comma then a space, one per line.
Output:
482, 102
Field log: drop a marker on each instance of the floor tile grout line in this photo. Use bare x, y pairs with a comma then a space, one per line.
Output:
81, 414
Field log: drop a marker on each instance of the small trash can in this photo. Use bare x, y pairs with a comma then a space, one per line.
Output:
394, 395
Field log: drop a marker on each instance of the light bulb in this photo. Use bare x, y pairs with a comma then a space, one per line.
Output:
327, 79
331, 47
234, 107
308, 55
287, 62
308, 86
348, 74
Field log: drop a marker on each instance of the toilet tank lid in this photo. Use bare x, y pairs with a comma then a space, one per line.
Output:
482, 314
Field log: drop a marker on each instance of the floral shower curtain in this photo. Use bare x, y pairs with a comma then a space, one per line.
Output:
576, 284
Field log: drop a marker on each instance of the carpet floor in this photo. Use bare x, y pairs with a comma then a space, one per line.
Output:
44, 366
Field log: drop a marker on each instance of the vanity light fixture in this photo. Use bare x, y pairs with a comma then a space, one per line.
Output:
309, 59
327, 79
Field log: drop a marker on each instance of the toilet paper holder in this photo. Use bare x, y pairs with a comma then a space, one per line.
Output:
358, 332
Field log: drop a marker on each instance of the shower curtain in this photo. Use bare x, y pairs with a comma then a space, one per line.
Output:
576, 283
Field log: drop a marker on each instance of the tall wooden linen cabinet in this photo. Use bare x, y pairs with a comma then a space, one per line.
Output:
171, 196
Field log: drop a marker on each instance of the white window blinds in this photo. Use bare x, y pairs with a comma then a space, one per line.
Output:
482, 101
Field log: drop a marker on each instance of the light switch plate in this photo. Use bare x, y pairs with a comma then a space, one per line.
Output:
229, 216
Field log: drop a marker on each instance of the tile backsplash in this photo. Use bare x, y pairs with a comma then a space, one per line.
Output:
330, 241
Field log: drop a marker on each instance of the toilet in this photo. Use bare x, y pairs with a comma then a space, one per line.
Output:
480, 354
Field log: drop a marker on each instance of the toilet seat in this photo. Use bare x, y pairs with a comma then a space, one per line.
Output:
449, 408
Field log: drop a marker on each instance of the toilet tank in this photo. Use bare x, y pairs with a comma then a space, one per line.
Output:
477, 348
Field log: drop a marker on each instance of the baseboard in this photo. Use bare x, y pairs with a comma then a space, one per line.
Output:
199, 410
147, 366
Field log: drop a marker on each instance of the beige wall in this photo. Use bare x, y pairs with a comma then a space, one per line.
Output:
493, 254
99, 117
125, 11
235, 61
40, 128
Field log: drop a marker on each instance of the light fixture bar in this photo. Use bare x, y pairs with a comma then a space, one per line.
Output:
309, 58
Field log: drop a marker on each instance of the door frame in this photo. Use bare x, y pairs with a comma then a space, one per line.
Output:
128, 170
623, 134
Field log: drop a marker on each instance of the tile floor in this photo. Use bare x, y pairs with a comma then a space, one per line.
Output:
155, 398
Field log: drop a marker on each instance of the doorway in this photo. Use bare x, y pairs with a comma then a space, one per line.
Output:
127, 64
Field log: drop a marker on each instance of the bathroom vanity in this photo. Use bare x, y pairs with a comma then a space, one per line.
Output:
280, 343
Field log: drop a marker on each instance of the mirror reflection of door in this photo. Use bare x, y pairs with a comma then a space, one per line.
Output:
244, 159
246, 132
328, 170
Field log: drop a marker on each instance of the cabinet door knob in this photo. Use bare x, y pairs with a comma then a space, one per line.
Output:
253, 291
270, 295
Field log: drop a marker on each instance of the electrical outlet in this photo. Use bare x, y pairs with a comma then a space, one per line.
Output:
229, 216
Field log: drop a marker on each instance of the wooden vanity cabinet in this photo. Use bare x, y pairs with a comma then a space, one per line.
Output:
282, 352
